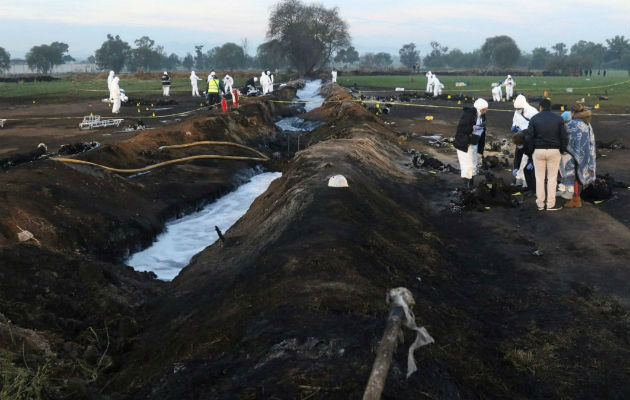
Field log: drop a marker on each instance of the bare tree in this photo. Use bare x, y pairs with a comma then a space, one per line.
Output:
308, 34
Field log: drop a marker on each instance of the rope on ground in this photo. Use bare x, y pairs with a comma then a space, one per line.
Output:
401, 301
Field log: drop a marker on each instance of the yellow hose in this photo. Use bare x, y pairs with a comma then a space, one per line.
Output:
150, 167
207, 142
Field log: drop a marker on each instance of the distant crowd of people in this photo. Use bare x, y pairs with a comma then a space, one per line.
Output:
215, 88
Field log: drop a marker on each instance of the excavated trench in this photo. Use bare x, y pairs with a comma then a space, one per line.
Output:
291, 304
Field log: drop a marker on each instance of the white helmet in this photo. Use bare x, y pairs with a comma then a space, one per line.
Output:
212, 74
268, 72
509, 76
255, 79
165, 73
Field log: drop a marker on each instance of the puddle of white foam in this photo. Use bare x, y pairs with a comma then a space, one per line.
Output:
187, 236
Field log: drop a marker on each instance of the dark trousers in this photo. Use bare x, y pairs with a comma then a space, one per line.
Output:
214, 98
530, 178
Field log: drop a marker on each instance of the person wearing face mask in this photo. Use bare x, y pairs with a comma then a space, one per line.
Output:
470, 139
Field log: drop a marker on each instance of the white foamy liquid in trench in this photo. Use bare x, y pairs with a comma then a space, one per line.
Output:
187, 236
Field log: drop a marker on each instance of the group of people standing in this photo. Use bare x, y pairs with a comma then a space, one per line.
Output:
497, 92
549, 148
433, 84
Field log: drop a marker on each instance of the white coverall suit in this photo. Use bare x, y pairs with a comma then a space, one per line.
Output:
497, 93
437, 86
429, 76
270, 83
264, 82
228, 82
509, 87
334, 75
193, 82
116, 95
523, 113
110, 78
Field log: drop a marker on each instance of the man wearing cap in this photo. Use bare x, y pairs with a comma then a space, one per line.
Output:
548, 137
470, 139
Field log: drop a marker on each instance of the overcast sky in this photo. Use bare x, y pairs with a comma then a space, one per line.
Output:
375, 25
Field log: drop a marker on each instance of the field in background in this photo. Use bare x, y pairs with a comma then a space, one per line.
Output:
89, 86
615, 85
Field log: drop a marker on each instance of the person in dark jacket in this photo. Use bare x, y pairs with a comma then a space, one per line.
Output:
166, 84
470, 139
547, 136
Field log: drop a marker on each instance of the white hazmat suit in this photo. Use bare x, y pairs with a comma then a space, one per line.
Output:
523, 113
509, 87
270, 75
264, 82
437, 86
110, 78
228, 82
429, 76
193, 82
497, 93
334, 76
116, 95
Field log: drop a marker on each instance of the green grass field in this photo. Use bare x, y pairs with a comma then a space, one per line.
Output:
615, 85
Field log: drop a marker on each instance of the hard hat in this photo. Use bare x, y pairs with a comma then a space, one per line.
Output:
338, 181
509, 76
165, 73
212, 73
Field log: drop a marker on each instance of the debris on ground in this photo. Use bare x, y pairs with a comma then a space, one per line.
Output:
17, 159
75, 148
421, 160
492, 191
612, 145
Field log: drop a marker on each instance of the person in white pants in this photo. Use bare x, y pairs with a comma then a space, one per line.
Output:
116, 95
429, 76
193, 82
228, 82
334, 75
270, 83
437, 86
497, 93
509, 87
166, 84
110, 78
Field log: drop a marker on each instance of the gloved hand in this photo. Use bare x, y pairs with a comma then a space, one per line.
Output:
515, 129
514, 172
529, 167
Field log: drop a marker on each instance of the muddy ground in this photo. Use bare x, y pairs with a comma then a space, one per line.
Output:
292, 304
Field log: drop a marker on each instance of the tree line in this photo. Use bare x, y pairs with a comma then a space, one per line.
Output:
309, 37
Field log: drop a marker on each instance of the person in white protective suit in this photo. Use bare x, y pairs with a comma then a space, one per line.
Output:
264, 82
116, 95
193, 82
110, 78
509, 87
429, 76
270, 75
522, 114
334, 75
437, 86
228, 82
497, 93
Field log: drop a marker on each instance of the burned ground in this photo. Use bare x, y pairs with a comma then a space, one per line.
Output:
292, 305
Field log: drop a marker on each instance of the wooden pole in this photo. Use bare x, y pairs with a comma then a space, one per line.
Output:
384, 354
